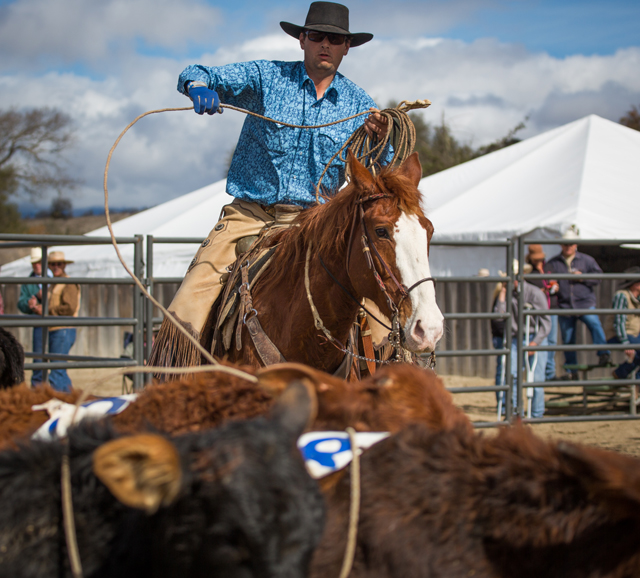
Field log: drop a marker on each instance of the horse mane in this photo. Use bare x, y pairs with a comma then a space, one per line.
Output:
328, 225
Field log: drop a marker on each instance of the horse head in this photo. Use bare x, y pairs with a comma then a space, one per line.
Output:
392, 228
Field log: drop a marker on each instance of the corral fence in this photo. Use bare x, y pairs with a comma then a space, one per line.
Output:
109, 307
114, 304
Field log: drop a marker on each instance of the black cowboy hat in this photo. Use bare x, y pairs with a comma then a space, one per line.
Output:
635, 270
327, 17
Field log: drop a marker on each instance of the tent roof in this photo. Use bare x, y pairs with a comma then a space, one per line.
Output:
584, 173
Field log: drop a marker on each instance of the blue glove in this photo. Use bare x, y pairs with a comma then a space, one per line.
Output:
204, 99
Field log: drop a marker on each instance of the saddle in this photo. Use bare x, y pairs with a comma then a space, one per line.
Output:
234, 309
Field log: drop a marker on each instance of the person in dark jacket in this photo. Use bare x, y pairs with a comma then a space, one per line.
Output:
578, 294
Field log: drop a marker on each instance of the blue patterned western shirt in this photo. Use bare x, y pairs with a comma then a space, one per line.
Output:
276, 164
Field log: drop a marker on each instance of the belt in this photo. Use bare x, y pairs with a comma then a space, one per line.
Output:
269, 209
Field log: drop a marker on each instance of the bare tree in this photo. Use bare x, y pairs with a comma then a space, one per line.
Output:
31, 143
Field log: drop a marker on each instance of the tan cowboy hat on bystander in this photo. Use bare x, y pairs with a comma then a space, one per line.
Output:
36, 255
58, 257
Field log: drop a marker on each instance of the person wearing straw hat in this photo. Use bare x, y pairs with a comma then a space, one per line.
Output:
272, 165
28, 301
577, 294
63, 300
623, 328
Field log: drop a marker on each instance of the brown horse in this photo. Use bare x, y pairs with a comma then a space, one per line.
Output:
369, 241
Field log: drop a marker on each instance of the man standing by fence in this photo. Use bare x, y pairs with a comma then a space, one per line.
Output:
577, 294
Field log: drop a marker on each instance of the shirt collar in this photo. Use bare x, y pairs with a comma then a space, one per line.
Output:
332, 93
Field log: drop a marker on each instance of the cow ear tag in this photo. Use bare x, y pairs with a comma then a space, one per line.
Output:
141, 471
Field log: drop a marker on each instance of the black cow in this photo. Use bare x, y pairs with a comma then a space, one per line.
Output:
11, 360
236, 501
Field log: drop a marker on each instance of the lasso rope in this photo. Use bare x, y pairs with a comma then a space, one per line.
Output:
354, 508
362, 147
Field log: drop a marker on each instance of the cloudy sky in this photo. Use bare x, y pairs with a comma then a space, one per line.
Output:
484, 64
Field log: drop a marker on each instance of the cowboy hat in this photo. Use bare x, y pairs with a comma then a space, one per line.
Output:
635, 270
36, 255
571, 234
535, 252
516, 269
58, 257
327, 17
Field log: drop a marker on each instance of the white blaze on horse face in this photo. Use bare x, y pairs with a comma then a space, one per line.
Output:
424, 327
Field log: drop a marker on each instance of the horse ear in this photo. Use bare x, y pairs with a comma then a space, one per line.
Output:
412, 169
360, 176
141, 471
297, 408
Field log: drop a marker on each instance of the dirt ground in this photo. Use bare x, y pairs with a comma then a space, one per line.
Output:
621, 436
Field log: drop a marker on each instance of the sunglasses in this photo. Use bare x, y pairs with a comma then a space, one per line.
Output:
335, 39
56, 263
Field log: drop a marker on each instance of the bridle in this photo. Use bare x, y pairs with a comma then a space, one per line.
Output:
396, 334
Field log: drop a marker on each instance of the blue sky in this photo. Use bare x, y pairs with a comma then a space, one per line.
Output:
485, 64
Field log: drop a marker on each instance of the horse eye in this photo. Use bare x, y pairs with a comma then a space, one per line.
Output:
382, 233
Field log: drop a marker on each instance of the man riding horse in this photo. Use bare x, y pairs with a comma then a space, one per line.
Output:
274, 168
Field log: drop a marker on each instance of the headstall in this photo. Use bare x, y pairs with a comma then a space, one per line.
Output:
396, 334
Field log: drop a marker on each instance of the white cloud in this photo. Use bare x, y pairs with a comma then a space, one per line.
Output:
483, 88
39, 33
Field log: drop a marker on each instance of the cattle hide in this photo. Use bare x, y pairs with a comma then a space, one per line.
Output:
235, 501
450, 504
395, 396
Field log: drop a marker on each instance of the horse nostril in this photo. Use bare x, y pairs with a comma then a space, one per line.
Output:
418, 332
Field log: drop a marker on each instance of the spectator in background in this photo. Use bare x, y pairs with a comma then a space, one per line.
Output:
497, 334
63, 300
577, 294
536, 258
537, 334
30, 302
623, 328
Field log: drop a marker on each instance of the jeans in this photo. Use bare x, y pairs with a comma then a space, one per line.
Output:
625, 369
568, 331
36, 376
537, 403
61, 341
552, 339
500, 378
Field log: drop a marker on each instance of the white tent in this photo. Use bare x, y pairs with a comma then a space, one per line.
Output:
586, 173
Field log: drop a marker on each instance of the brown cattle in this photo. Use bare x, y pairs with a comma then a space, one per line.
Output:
453, 504
394, 397
17, 420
